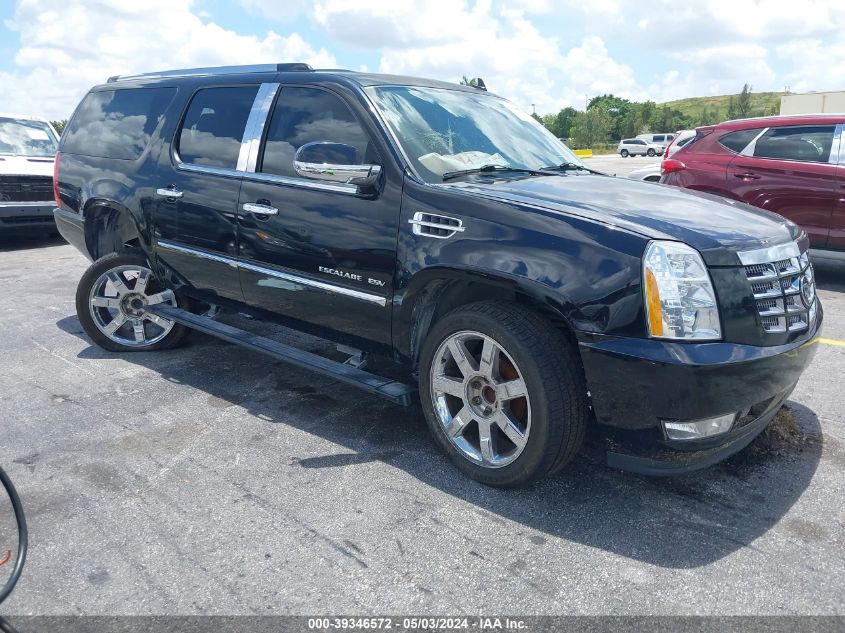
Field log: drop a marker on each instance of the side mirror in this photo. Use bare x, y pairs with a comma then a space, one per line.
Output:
334, 162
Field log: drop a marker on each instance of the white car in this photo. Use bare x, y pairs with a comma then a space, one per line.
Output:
651, 173
658, 139
27, 152
638, 147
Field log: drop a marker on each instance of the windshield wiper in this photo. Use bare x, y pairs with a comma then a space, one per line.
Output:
486, 169
572, 167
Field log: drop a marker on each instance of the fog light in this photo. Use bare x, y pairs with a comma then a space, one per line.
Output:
699, 428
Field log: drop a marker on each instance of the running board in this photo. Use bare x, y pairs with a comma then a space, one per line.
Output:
397, 392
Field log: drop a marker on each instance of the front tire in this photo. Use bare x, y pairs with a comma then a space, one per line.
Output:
650, 153
503, 393
110, 301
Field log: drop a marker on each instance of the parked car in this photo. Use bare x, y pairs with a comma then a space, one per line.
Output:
649, 173
663, 138
638, 147
682, 138
652, 172
521, 295
789, 165
27, 147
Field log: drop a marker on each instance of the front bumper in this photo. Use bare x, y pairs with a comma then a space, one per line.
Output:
637, 383
26, 217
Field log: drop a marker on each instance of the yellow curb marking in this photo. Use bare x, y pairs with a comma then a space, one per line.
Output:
831, 341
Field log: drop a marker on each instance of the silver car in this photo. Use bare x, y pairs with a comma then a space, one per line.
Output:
638, 147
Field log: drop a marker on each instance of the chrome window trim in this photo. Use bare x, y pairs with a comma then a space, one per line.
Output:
205, 169
254, 128
334, 187
836, 148
302, 281
769, 254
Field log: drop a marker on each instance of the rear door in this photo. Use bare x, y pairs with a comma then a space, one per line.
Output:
788, 170
197, 192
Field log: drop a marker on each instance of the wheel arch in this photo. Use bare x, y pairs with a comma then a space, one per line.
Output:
435, 292
109, 227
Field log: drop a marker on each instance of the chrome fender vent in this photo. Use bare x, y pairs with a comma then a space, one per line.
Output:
440, 226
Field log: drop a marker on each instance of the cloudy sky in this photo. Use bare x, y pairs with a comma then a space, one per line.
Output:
543, 52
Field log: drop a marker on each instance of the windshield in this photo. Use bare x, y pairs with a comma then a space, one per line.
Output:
22, 137
443, 131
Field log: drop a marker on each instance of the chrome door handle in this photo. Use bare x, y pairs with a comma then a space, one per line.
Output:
172, 194
747, 176
259, 209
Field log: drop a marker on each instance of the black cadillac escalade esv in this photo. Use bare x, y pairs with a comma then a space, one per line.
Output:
437, 225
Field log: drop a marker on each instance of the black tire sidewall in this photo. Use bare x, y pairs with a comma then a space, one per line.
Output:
539, 451
83, 313
624, 153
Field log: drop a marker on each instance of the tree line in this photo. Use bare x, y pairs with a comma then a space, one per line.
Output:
609, 118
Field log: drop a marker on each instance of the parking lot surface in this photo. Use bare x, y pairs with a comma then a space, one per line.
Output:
615, 165
208, 479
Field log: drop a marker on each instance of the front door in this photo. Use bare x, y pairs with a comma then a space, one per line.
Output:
197, 196
790, 173
316, 251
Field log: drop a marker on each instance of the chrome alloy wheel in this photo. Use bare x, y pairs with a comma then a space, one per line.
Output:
480, 399
118, 302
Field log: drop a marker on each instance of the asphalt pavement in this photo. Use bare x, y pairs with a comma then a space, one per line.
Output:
209, 480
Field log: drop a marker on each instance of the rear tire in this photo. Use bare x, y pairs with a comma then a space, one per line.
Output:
624, 153
110, 302
503, 393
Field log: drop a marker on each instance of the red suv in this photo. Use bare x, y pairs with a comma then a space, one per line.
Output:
791, 165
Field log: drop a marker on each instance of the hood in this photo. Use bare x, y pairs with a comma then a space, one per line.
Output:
716, 227
26, 165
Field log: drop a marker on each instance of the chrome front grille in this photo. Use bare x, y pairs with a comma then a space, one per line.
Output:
784, 289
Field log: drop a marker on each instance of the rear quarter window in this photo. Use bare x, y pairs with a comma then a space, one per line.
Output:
739, 140
116, 123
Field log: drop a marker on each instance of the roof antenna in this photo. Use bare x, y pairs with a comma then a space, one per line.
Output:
479, 83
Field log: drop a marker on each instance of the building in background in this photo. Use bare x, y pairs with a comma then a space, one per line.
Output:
813, 102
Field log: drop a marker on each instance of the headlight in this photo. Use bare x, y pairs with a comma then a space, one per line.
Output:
679, 297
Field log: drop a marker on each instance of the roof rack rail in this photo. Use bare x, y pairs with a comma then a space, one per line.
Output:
219, 70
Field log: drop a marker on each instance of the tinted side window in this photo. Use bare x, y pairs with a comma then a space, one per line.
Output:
116, 123
810, 143
659, 138
303, 115
737, 141
214, 125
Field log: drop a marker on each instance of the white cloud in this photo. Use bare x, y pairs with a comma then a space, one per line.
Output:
401, 23
501, 44
543, 52
67, 48
717, 45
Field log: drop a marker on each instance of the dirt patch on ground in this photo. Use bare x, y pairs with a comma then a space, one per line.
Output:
783, 437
